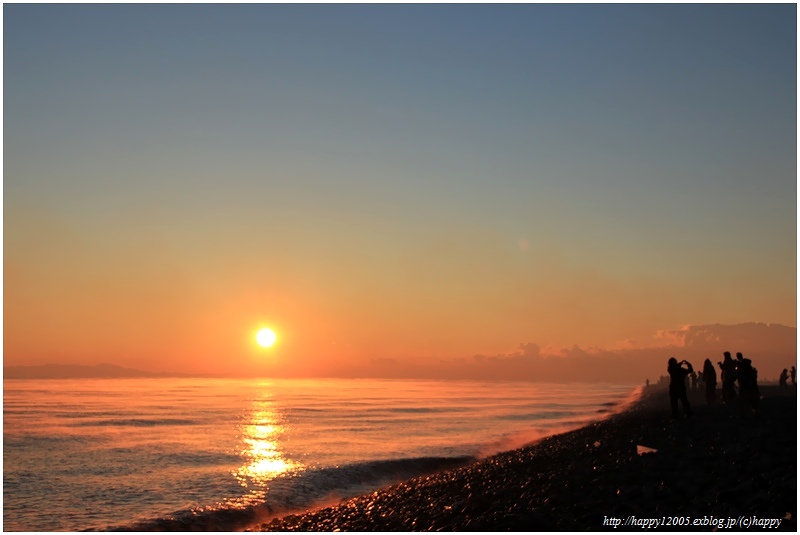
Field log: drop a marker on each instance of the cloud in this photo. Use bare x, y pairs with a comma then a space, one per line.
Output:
753, 337
672, 337
771, 347
529, 350
629, 343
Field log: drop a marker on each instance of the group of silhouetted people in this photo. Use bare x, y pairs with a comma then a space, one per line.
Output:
732, 371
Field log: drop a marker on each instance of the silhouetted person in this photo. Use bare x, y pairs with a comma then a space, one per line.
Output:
693, 377
748, 385
793, 374
742, 362
784, 377
739, 359
677, 385
728, 367
710, 379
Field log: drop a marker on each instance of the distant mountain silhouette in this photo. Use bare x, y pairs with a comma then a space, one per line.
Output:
73, 371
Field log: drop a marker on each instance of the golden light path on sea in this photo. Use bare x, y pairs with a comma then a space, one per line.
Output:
264, 460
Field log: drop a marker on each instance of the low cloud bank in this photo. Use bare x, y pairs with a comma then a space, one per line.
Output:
771, 347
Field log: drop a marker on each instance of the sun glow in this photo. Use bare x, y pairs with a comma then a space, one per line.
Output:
266, 337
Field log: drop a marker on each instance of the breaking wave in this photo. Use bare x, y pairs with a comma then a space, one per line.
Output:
306, 490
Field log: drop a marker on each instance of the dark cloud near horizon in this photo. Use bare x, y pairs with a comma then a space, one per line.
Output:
771, 347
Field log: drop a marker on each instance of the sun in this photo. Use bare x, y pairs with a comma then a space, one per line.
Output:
266, 337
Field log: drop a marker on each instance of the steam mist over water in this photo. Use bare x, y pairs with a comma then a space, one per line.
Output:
144, 452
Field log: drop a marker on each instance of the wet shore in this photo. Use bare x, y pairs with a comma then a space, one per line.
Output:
720, 464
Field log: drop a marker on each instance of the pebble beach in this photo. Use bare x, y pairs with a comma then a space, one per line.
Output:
724, 468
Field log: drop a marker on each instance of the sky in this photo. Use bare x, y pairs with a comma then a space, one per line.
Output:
403, 184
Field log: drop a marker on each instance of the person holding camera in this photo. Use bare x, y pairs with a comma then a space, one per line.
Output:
677, 385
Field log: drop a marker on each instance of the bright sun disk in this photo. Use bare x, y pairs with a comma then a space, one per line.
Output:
266, 337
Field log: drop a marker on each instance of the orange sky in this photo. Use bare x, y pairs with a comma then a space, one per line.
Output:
373, 187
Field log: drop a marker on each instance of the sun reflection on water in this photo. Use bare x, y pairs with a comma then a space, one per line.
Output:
264, 460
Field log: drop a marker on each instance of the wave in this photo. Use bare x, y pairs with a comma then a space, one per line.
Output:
136, 422
310, 489
535, 416
566, 421
44, 442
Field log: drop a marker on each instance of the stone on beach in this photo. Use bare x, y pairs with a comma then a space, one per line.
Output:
641, 462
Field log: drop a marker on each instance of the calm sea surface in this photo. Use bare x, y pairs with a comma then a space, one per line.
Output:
96, 454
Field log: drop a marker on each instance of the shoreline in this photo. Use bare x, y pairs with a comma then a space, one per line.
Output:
718, 464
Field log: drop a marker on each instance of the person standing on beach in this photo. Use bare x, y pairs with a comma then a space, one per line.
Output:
784, 377
710, 379
739, 360
748, 385
677, 385
793, 373
728, 367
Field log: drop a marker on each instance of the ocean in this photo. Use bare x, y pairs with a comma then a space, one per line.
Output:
153, 454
